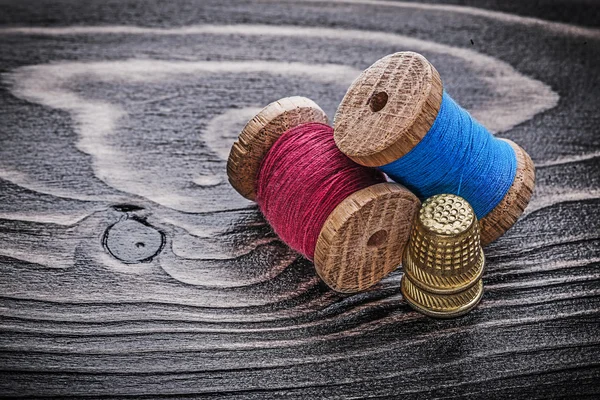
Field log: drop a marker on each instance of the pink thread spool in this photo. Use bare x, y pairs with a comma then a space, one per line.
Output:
362, 239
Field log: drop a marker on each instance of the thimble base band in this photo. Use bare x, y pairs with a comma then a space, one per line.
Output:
443, 284
441, 306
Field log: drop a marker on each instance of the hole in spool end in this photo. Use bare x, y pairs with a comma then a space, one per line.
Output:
377, 101
377, 239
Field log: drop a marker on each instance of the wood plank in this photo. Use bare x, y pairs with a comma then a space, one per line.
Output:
130, 268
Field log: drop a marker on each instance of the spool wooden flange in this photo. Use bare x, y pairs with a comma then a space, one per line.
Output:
391, 106
260, 133
364, 237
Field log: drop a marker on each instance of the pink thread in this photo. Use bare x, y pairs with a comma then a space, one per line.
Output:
302, 179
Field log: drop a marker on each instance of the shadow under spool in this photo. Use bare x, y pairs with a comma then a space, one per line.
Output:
363, 238
390, 108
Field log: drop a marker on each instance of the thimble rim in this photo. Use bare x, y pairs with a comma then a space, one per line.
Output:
459, 311
468, 282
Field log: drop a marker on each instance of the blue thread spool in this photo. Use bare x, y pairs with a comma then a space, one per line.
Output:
397, 117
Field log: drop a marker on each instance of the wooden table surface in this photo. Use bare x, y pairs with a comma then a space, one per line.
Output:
129, 267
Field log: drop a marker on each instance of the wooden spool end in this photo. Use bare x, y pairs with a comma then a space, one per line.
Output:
391, 106
388, 109
364, 237
260, 133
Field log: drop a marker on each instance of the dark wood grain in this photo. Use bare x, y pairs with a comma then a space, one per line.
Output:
130, 268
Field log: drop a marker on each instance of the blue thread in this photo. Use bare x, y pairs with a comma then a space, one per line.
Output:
459, 156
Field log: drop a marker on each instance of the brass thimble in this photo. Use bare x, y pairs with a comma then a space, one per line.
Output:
444, 261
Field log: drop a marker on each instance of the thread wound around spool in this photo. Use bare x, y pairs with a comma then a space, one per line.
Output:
364, 237
388, 109
510, 208
260, 133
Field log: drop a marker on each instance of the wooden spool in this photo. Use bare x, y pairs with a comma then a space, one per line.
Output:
364, 237
391, 106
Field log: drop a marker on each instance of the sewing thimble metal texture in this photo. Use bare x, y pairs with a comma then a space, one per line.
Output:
444, 261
